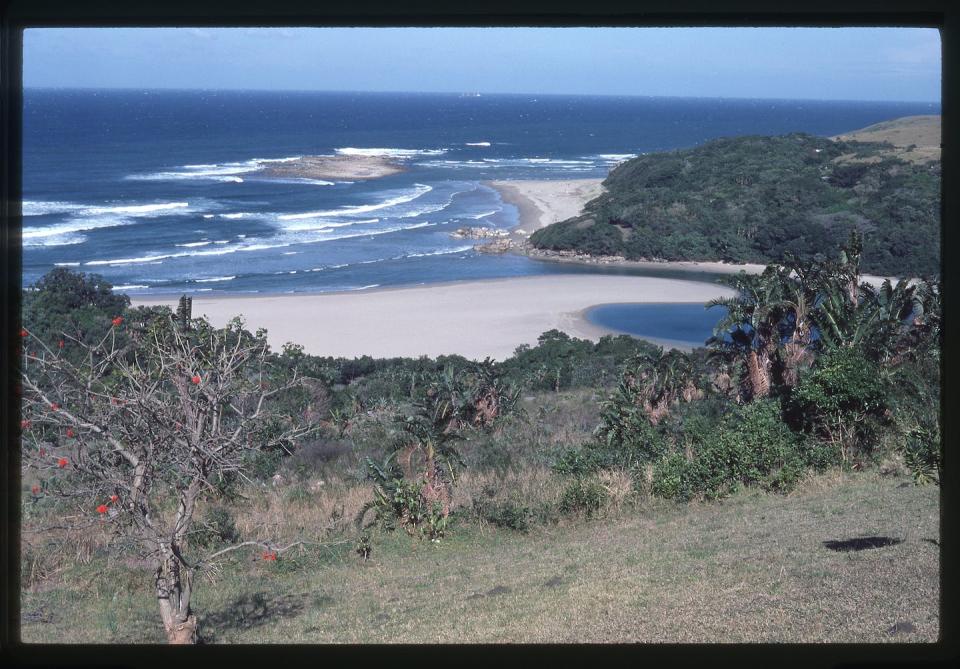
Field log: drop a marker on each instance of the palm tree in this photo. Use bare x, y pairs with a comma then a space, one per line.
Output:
752, 326
795, 351
658, 381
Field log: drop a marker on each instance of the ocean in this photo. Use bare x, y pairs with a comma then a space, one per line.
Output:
156, 191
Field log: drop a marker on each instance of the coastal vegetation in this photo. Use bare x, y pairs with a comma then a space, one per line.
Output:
759, 199
188, 462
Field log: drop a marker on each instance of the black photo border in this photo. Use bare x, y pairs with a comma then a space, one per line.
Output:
20, 14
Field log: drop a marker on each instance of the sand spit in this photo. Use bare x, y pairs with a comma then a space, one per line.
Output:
475, 319
543, 202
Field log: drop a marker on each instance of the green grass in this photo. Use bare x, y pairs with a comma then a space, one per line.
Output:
752, 568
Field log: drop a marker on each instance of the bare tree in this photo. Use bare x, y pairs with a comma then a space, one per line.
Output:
143, 424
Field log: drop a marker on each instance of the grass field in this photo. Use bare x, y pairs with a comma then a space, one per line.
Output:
752, 568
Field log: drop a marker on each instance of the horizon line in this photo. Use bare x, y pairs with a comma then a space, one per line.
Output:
464, 93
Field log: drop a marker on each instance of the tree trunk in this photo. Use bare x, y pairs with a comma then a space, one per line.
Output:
758, 370
184, 633
173, 596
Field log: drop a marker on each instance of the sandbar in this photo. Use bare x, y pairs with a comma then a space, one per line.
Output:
475, 319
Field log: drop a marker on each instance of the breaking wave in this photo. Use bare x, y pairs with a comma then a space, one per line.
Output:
227, 172
353, 210
391, 153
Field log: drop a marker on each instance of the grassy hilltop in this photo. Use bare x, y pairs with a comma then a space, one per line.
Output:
757, 199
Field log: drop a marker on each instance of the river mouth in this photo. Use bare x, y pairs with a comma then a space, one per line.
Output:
684, 325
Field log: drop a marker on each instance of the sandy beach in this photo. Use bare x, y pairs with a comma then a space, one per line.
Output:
543, 202
475, 319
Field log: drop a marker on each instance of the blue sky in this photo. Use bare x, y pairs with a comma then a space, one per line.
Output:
797, 63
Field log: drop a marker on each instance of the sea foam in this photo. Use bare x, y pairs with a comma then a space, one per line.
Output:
352, 210
391, 153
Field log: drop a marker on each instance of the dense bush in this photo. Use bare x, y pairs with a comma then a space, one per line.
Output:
80, 305
559, 362
757, 199
751, 445
836, 398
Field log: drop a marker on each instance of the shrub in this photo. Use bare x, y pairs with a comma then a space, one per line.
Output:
317, 456
583, 495
670, 479
752, 445
504, 513
401, 503
582, 460
835, 398
261, 465
922, 454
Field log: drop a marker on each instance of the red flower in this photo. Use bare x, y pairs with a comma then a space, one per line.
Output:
70, 433
102, 508
113, 498
196, 380
24, 333
24, 424
60, 343
270, 556
117, 321
54, 406
43, 452
62, 462
35, 489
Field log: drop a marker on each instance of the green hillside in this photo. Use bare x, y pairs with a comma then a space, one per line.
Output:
757, 199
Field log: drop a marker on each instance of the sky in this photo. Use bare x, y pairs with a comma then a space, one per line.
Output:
795, 63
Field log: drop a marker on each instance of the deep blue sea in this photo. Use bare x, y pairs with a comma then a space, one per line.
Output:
155, 191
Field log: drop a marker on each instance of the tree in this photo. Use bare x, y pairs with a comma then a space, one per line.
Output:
752, 327
143, 424
65, 301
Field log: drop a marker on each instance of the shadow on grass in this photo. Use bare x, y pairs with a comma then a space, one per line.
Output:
250, 611
861, 543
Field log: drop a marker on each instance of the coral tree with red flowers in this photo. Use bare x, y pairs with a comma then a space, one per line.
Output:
125, 422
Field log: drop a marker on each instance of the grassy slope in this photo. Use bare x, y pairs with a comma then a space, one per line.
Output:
750, 569
923, 132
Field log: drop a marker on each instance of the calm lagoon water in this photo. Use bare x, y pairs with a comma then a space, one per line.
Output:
685, 323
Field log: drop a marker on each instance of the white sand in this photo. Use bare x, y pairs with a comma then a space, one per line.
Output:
475, 319
544, 202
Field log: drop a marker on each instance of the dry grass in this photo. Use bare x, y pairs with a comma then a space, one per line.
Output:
753, 568
300, 511
923, 132
532, 485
